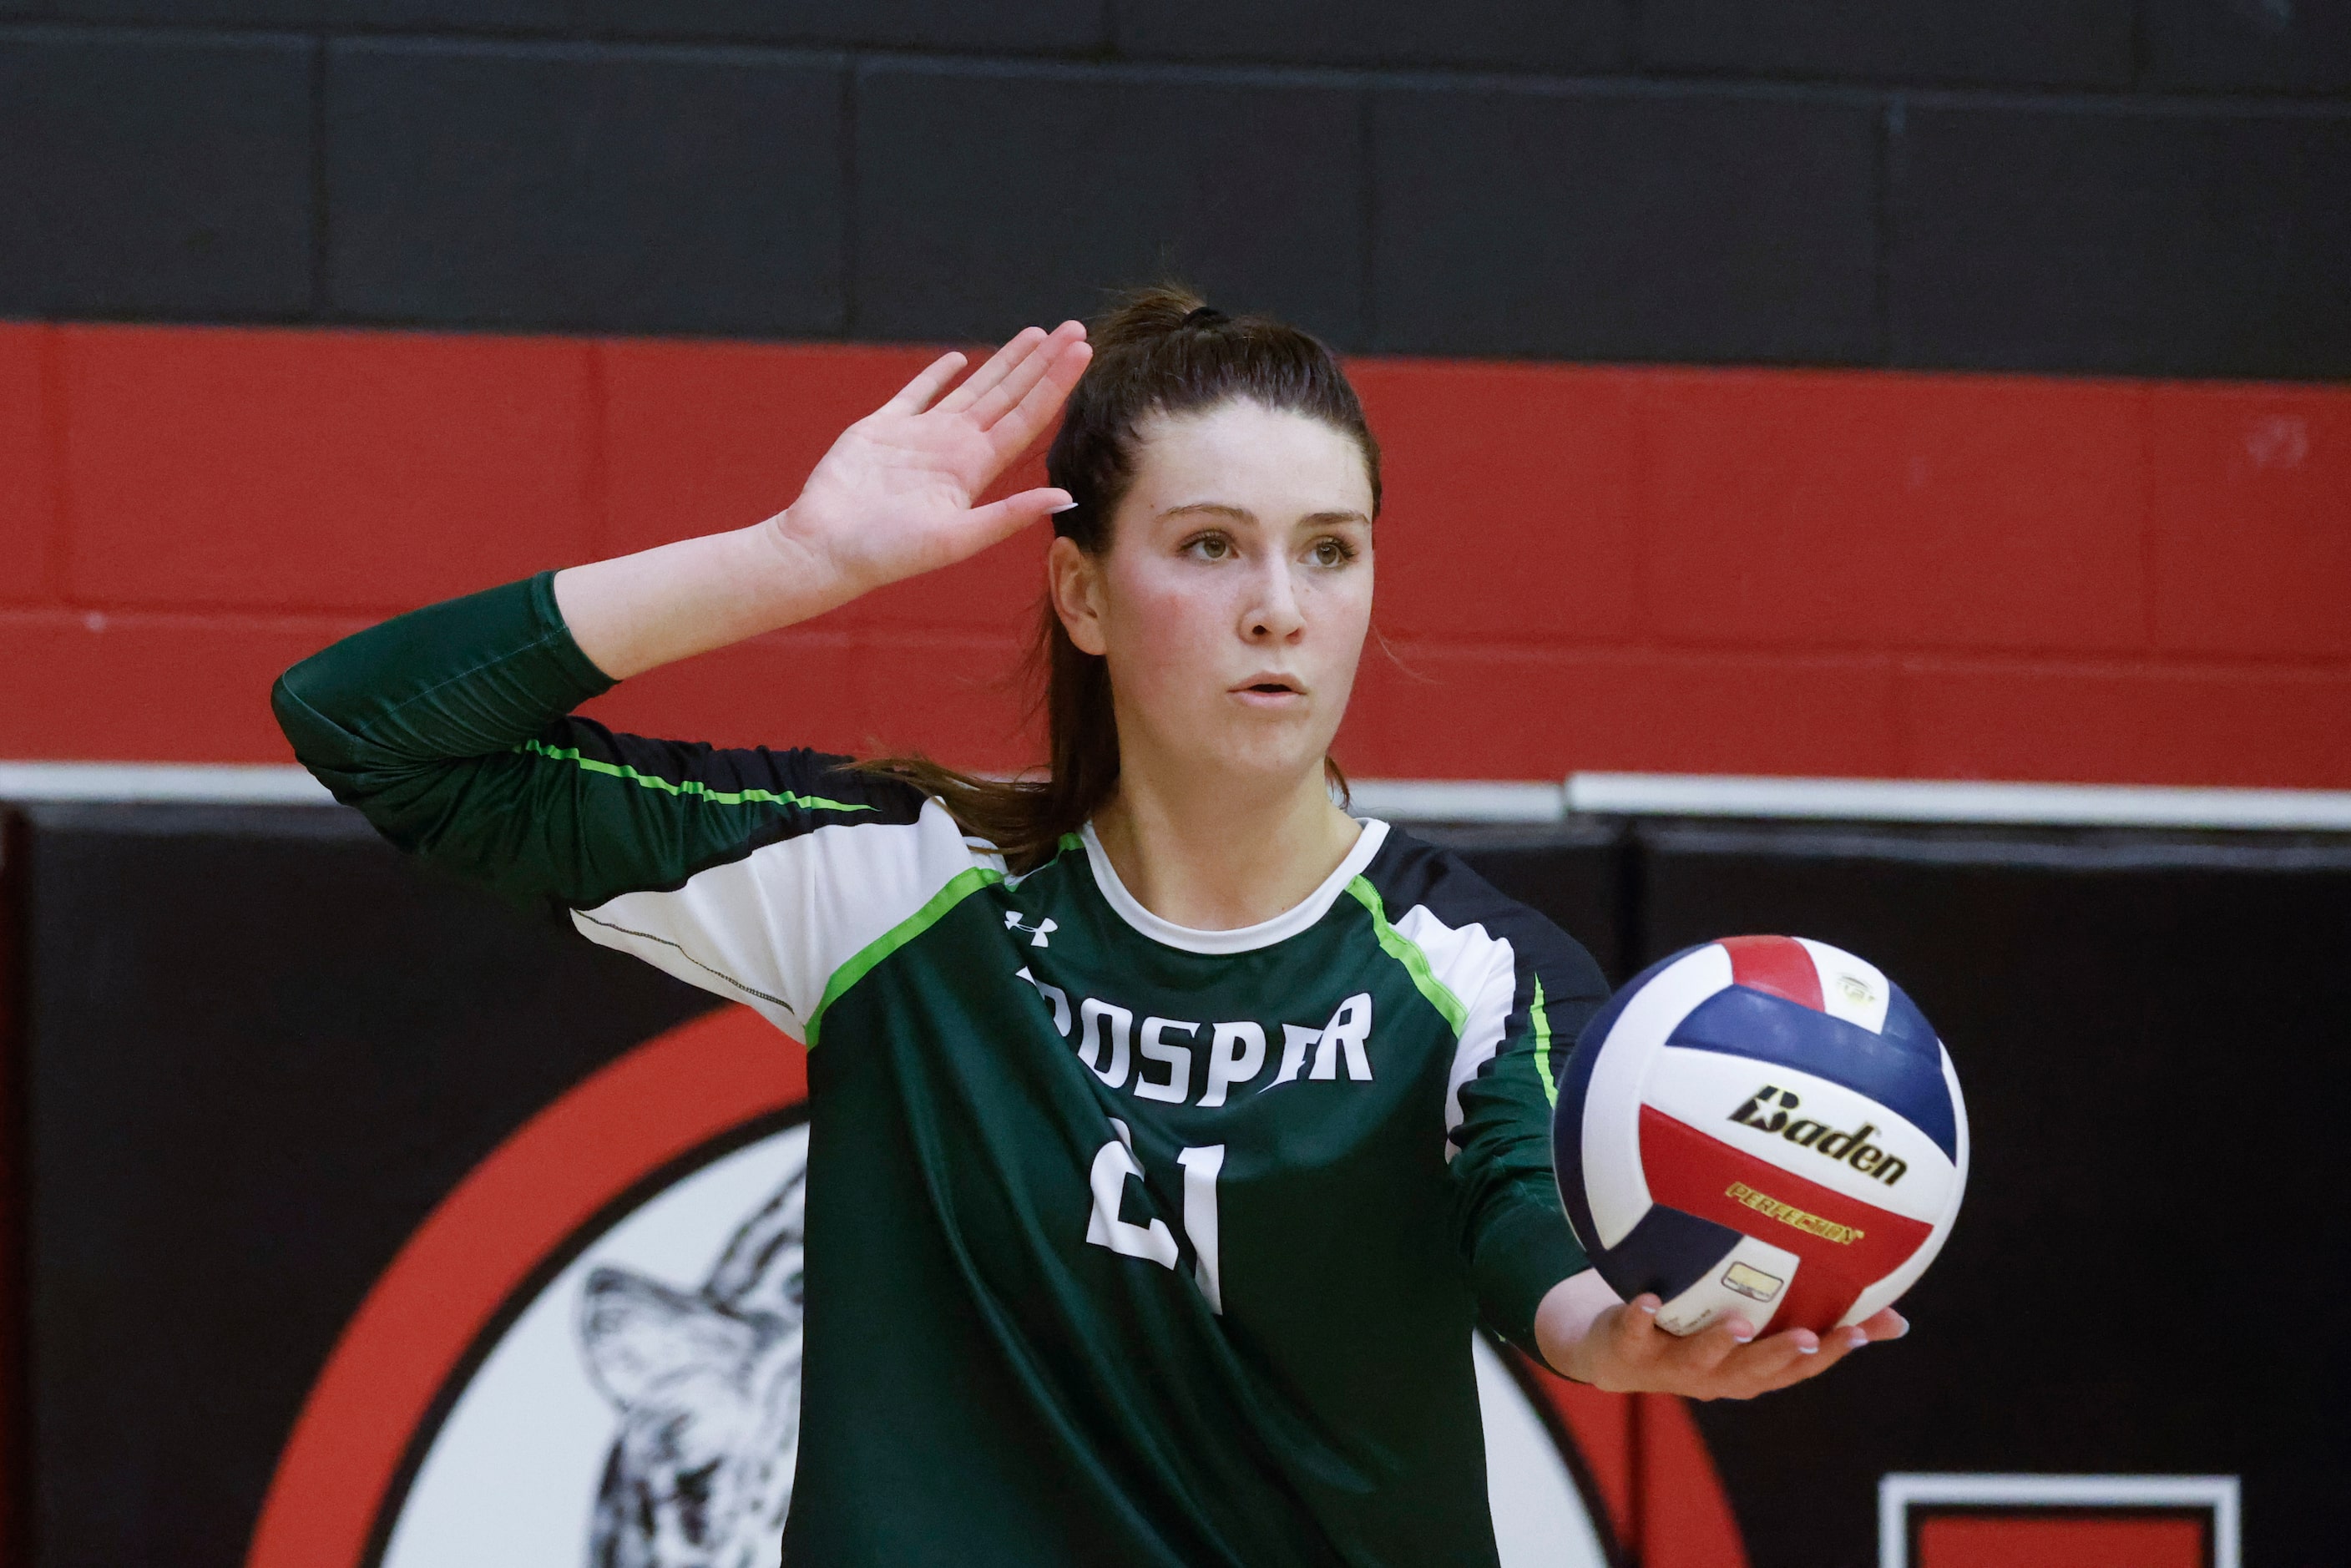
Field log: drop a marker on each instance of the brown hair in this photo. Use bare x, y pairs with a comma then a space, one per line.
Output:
1161, 351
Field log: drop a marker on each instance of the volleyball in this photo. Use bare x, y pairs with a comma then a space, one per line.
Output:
1764, 1127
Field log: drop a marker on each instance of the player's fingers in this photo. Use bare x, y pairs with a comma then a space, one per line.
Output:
1002, 519
1834, 1346
1884, 1324
1028, 420
916, 394
999, 364
1705, 1352
1772, 1362
1634, 1326
1007, 396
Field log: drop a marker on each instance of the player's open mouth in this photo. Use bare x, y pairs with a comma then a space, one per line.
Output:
1269, 688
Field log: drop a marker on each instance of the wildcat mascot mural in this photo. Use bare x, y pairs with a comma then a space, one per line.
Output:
706, 1382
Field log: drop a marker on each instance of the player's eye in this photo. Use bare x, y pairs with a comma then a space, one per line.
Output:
1209, 546
1331, 551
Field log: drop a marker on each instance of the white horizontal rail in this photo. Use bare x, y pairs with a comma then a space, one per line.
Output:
192, 783
1457, 799
1935, 800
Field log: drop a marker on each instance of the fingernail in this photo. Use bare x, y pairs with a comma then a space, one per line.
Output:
1064, 506
1856, 1338
1742, 1338
1650, 1308
1903, 1325
1808, 1350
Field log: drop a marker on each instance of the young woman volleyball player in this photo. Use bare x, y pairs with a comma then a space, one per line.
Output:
1171, 1128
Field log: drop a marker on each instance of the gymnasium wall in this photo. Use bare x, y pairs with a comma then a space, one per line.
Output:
1909, 527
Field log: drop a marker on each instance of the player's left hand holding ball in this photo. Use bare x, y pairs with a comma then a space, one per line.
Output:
1615, 1345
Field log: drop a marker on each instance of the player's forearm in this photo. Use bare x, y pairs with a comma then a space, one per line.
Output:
633, 613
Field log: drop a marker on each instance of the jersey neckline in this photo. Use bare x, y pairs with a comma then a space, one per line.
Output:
1242, 939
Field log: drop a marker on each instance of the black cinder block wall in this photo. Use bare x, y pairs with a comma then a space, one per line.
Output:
2138, 186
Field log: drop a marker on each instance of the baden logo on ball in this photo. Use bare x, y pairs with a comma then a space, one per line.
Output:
1808, 1202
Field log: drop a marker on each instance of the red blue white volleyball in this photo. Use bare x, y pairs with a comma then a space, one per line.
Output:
1764, 1127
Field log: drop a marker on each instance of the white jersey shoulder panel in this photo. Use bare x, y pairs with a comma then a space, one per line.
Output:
1482, 971
770, 929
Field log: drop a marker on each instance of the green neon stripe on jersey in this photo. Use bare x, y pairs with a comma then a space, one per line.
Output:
691, 787
965, 883
1542, 1045
1406, 951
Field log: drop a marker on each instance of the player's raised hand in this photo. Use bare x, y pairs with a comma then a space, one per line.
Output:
1624, 1351
895, 496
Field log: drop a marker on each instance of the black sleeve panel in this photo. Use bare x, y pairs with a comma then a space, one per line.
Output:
1514, 1234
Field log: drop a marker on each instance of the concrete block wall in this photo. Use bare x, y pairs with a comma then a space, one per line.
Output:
2141, 186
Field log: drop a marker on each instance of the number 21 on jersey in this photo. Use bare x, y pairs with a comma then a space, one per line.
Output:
1114, 1165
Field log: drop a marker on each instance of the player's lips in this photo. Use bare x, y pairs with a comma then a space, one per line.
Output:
1266, 689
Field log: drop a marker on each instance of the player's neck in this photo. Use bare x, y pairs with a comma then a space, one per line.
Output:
1219, 859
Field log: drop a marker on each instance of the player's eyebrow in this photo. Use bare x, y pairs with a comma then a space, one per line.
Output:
1215, 509
1243, 515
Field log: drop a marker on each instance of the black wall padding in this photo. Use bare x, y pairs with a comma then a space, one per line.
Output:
2154, 1036
1574, 874
256, 1048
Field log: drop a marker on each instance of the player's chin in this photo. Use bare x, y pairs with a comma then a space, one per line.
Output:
1274, 749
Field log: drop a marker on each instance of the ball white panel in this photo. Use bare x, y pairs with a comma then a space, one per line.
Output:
1613, 1182
1750, 1283
1852, 988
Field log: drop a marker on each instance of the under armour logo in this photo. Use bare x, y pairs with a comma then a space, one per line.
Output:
1036, 933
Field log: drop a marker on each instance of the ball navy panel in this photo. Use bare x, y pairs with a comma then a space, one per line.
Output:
1901, 1070
1668, 1251
1567, 1112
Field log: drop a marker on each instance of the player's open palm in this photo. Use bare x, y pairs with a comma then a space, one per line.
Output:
895, 496
1625, 1351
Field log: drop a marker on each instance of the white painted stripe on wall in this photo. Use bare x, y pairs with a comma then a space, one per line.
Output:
1462, 800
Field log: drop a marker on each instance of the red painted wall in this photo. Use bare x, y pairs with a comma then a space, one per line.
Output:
1770, 571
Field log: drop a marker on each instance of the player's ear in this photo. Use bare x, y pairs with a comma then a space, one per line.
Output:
1074, 579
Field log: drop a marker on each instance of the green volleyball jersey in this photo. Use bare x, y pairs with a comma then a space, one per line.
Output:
1126, 1243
